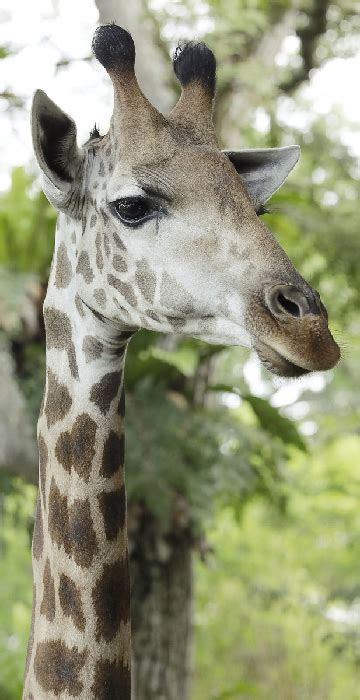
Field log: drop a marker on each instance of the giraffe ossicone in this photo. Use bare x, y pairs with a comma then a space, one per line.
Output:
158, 229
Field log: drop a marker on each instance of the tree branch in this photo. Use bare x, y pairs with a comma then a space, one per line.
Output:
68, 61
314, 25
12, 99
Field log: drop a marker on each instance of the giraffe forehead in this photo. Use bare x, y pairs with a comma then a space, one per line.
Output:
127, 173
192, 174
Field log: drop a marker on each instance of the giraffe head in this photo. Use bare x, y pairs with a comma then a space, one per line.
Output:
168, 235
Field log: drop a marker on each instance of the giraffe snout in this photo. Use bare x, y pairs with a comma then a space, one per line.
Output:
293, 336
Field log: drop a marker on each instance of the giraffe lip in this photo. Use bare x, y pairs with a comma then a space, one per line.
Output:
277, 363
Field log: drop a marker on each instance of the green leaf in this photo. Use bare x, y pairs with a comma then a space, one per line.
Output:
184, 359
4, 52
269, 417
271, 420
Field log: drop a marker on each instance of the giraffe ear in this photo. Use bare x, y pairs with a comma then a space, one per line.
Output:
56, 150
263, 170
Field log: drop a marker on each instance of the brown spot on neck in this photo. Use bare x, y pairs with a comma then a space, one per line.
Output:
71, 527
113, 509
38, 535
92, 348
47, 607
76, 449
57, 668
59, 336
111, 598
58, 400
70, 601
111, 680
63, 268
43, 462
104, 391
113, 454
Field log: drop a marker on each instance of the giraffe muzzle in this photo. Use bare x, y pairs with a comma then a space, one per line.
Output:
291, 334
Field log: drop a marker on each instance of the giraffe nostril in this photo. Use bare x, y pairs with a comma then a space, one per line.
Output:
289, 306
286, 301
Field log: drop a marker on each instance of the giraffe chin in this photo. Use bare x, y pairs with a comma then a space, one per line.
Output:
277, 363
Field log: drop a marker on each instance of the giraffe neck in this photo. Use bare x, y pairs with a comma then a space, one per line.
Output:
80, 638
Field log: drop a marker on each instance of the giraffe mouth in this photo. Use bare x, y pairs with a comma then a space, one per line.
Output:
277, 363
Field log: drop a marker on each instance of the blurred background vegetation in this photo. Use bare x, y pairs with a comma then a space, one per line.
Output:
247, 486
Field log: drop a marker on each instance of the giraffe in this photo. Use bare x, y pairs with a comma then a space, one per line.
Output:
157, 229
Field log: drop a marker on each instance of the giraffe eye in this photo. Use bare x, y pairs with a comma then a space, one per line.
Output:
133, 210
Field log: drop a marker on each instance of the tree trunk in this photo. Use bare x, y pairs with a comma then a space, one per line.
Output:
161, 610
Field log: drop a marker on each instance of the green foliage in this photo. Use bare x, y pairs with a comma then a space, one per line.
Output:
274, 423
27, 224
144, 360
17, 501
205, 455
263, 607
269, 417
